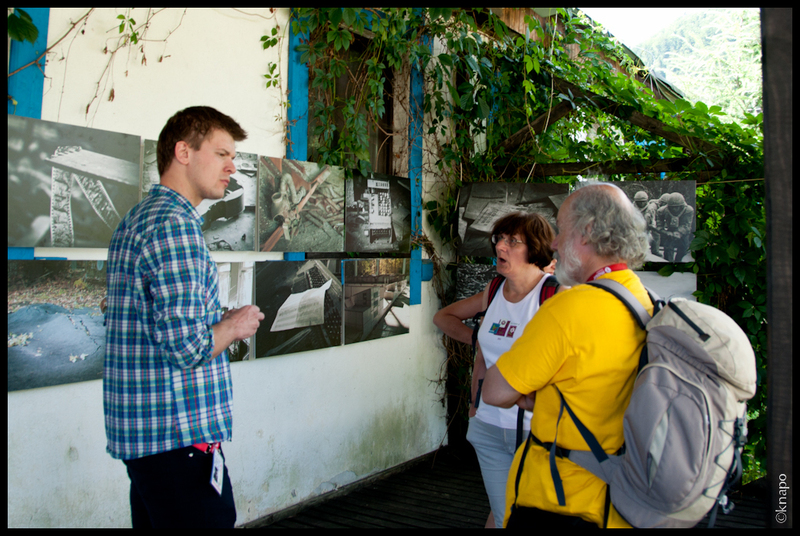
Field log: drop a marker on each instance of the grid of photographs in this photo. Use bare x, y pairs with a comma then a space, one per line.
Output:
55, 326
70, 186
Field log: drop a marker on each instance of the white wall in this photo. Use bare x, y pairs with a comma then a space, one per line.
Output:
303, 423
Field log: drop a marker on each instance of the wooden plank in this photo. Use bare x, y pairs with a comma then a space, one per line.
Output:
776, 33
446, 494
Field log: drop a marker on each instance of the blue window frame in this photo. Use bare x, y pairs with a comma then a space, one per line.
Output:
297, 147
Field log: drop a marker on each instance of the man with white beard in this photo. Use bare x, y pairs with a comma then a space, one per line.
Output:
583, 344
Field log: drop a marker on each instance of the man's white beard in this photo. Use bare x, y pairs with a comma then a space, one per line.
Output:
568, 267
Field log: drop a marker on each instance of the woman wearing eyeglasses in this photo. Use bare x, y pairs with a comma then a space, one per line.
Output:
521, 242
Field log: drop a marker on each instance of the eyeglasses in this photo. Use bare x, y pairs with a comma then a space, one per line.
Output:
510, 242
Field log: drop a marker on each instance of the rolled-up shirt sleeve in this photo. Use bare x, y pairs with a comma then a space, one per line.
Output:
181, 306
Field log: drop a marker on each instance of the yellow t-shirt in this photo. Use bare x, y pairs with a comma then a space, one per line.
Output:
586, 342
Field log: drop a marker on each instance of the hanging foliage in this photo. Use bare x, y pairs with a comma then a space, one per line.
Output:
500, 105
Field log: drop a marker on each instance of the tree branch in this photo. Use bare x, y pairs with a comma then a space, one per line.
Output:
43, 54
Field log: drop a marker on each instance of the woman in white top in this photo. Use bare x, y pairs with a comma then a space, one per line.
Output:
522, 244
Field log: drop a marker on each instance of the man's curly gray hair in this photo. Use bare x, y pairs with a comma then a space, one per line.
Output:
610, 223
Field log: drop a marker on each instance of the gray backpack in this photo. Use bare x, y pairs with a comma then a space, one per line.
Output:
685, 426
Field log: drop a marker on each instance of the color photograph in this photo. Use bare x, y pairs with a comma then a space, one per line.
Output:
376, 298
481, 204
68, 186
55, 327
378, 214
301, 206
302, 306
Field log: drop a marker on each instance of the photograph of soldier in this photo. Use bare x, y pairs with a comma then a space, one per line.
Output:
668, 208
378, 214
302, 306
480, 204
68, 186
229, 224
300, 206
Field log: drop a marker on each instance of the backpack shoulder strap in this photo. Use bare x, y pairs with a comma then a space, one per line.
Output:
625, 296
549, 289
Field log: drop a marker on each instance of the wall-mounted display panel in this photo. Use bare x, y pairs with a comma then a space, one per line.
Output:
301, 206
376, 298
236, 291
229, 224
676, 285
378, 214
481, 204
68, 186
669, 208
302, 306
55, 327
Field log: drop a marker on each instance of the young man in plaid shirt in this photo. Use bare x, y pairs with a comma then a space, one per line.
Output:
166, 387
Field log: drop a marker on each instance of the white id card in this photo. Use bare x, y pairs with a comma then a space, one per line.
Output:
217, 471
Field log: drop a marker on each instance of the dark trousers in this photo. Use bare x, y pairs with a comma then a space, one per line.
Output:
173, 489
529, 518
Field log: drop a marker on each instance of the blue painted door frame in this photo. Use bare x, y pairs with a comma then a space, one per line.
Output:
297, 147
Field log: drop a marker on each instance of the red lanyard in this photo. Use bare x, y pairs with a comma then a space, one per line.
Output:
608, 270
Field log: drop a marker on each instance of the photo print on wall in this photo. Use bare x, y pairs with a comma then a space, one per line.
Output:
301, 206
235, 291
229, 224
669, 208
302, 306
481, 204
68, 186
55, 326
378, 214
376, 298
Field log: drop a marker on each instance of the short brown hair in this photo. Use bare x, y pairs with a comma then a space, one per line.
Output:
535, 230
193, 125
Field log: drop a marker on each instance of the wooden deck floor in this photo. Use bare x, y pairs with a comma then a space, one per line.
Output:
444, 490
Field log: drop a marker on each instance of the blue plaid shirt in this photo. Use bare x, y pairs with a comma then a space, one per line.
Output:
161, 388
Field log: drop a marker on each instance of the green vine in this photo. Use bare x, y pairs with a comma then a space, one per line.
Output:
552, 87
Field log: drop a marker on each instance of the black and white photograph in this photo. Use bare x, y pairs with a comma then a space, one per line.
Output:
302, 306
55, 326
378, 214
481, 204
376, 298
471, 279
235, 291
229, 224
68, 186
669, 208
301, 206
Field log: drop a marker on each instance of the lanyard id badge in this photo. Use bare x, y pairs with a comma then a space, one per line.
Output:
217, 471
